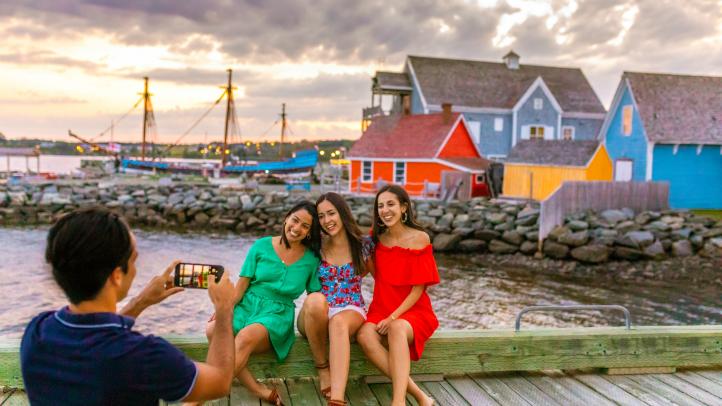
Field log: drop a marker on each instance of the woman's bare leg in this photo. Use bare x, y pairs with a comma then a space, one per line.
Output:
313, 324
341, 328
252, 339
400, 335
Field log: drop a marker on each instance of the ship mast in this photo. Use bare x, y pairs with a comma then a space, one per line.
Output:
229, 103
146, 105
283, 129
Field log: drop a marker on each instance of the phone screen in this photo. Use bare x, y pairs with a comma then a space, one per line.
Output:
196, 275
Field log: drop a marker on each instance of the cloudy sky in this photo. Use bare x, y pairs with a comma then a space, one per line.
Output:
72, 64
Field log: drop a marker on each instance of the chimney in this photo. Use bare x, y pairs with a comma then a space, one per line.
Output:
511, 60
446, 113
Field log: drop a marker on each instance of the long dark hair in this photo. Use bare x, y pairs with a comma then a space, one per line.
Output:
379, 227
353, 233
313, 243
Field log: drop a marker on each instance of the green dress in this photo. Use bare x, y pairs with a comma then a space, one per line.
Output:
271, 292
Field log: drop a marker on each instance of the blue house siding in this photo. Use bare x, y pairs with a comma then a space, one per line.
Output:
695, 181
492, 142
526, 115
416, 106
584, 128
633, 146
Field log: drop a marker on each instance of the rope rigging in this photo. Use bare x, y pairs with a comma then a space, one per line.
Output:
102, 133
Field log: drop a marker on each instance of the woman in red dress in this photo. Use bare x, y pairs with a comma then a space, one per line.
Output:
400, 316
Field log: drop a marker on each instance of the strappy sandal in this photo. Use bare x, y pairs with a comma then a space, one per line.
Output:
333, 402
325, 392
273, 398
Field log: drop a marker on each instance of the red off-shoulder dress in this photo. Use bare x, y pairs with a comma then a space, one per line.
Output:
397, 271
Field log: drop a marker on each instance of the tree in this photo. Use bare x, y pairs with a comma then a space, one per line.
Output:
2, 137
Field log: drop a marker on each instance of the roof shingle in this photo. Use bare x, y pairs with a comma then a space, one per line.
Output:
553, 152
391, 80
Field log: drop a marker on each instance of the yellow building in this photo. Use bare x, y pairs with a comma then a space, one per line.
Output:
536, 168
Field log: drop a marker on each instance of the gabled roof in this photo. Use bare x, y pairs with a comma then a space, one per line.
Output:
493, 85
678, 108
553, 152
391, 80
404, 136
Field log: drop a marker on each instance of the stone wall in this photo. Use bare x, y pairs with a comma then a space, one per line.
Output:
476, 226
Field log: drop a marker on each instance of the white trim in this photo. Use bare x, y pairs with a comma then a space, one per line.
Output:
190, 389
538, 82
675, 149
405, 172
502, 156
394, 87
574, 132
476, 146
451, 132
499, 120
363, 176
376, 159
73, 325
418, 86
578, 114
699, 149
559, 126
540, 102
457, 166
650, 160
468, 109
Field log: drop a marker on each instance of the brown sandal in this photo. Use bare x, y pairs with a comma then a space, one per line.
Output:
332, 402
273, 398
325, 392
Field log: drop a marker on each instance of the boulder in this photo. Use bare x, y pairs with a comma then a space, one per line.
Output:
639, 239
681, 234
682, 248
657, 226
201, 218
435, 212
626, 226
501, 247
486, 234
574, 239
577, 225
626, 253
445, 220
555, 250
532, 235
557, 231
528, 248
446, 242
613, 216
715, 232
593, 254
512, 237
496, 218
528, 212
472, 245
253, 221
655, 251
461, 220
526, 221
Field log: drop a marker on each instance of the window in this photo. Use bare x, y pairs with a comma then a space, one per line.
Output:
536, 133
567, 133
627, 120
538, 103
475, 128
623, 170
400, 173
367, 171
480, 178
498, 124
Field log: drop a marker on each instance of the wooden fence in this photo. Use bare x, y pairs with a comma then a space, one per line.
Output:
573, 197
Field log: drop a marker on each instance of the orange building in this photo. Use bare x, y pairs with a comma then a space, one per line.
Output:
426, 154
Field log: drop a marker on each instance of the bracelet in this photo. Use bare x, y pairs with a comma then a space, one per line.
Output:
392, 317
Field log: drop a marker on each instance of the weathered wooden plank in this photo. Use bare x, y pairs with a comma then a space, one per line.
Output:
444, 393
472, 392
216, 402
666, 391
303, 392
359, 393
690, 390
528, 391
715, 376
554, 389
580, 389
498, 390
240, 396
609, 389
280, 386
14, 398
383, 392
645, 394
701, 382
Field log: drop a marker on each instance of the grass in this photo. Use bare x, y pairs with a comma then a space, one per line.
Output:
715, 214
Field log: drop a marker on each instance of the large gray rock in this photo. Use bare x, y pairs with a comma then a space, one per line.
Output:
201, 218
527, 220
528, 212
446, 242
557, 231
472, 245
463, 231
682, 248
445, 220
532, 235
435, 212
486, 234
247, 203
577, 225
640, 239
657, 226
253, 221
715, 232
501, 247
613, 216
593, 254
574, 239
461, 220
681, 234
512, 237
555, 250
626, 226
496, 218
655, 251
528, 247
626, 253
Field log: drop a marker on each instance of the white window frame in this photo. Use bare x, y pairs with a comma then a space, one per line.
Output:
629, 108
370, 164
400, 165
538, 103
631, 169
498, 124
475, 130
536, 129
568, 127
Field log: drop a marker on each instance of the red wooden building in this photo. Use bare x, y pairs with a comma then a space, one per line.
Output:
426, 154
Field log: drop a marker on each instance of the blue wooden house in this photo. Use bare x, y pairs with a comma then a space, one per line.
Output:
663, 127
502, 102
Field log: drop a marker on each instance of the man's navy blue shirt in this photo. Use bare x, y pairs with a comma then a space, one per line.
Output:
96, 359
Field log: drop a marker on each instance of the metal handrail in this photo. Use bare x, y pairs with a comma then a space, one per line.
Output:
627, 322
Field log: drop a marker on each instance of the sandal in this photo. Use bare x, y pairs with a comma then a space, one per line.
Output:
332, 402
273, 398
325, 392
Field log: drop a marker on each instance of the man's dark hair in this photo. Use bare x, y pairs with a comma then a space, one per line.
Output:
84, 247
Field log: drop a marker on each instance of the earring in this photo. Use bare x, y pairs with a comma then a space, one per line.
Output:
404, 217
308, 236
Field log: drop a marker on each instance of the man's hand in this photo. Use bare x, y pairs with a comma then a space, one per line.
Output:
222, 294
157, 290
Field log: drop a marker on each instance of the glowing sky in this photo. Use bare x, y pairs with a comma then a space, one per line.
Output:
69, 64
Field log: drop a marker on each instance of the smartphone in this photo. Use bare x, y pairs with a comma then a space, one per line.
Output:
196, 275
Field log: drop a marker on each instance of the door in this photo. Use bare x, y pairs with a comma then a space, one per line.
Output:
623, 170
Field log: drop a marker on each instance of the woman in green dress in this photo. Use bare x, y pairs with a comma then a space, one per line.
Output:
276, 272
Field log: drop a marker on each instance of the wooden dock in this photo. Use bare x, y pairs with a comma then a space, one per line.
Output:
579, 366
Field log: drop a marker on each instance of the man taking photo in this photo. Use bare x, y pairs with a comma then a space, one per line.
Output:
87, 353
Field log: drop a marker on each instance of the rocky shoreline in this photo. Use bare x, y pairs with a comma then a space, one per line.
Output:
474, 227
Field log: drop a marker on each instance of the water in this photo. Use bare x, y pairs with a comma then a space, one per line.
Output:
65, 164
468, 296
